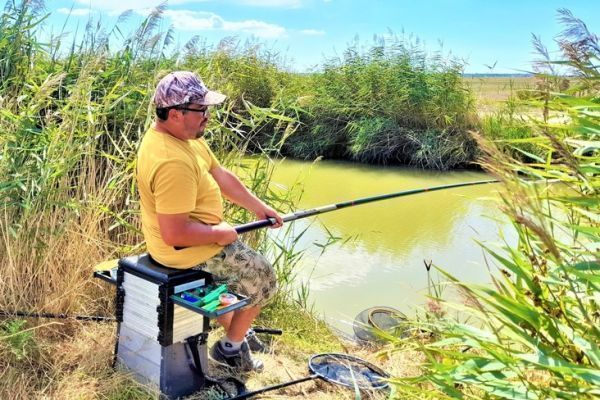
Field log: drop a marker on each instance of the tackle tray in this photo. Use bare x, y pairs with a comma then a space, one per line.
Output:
193, 299
109, 275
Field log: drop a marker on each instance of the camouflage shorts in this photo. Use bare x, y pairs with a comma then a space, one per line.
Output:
245, 271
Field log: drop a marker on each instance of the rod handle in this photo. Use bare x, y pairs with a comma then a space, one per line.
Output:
251, 226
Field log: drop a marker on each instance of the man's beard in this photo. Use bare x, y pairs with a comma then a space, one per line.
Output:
200, 132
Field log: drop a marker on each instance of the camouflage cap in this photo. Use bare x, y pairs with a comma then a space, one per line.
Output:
181, 87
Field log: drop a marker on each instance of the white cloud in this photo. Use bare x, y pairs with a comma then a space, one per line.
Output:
272, 3
257, 28
194, 20
312, 32
197, 20
76, 12
119, 6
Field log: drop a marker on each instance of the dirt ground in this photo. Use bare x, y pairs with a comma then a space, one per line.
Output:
283, 364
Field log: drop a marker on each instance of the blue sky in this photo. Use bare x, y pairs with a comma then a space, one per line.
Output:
482, 33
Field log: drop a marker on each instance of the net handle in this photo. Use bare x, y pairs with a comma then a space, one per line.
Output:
247, 395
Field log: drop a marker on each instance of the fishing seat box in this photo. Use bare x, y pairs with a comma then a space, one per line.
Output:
157, 330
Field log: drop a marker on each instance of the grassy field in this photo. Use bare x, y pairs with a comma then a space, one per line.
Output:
492, 92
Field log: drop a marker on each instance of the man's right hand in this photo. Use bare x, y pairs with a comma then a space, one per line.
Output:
226, 234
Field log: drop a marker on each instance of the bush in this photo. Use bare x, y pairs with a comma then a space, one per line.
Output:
370, 105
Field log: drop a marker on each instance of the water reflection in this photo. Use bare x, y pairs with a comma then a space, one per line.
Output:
384, 264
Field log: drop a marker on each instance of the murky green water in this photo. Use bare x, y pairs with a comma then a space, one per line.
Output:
383, 264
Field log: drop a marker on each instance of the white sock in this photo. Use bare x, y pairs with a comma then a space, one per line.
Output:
230, 346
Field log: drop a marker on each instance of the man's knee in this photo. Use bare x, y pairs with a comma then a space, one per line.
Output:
249, 272
259, 281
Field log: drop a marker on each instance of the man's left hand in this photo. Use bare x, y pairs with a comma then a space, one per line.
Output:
266, 212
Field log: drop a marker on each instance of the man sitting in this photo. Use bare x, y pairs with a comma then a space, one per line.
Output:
181, 185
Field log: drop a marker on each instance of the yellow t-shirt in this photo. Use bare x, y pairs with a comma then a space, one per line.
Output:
173, 177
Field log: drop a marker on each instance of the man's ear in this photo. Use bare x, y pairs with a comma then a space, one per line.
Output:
174, 114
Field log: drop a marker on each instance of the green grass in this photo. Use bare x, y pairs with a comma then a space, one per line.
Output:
534, 333
303, 333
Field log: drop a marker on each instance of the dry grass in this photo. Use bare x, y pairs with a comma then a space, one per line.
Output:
71, 360
491, 92
60, 280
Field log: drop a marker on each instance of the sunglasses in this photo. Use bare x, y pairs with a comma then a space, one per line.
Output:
203, 111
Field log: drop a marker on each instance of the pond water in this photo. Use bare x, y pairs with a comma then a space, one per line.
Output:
383, 261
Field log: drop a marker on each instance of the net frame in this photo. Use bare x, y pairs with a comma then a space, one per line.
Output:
345, 361
368, 330
376, 375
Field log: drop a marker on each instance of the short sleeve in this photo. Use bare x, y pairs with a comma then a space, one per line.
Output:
174, 188
213, 160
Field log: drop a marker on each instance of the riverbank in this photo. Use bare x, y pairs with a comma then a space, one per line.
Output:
72, 360
72, 124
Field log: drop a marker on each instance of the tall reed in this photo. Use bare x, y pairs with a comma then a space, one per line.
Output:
388, 103
71, 122
534, 334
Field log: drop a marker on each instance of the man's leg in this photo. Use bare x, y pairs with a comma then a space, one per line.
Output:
237, 323
225, 320
241, 322
250, 274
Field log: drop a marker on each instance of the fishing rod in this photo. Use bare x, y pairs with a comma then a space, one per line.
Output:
251, 226
333, 207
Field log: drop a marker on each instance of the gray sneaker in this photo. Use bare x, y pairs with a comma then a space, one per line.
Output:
255, 344
241, 361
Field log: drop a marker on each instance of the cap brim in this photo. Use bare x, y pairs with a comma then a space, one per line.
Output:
213, 98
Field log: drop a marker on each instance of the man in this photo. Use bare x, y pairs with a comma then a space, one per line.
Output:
181, 185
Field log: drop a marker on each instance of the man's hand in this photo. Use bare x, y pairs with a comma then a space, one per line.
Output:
226, 234
265, 212
234, 190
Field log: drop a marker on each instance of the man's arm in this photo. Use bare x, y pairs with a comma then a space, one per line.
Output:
181, 231
234, 190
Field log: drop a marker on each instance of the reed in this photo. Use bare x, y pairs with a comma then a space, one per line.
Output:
67, 191
388, 103
534, 333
